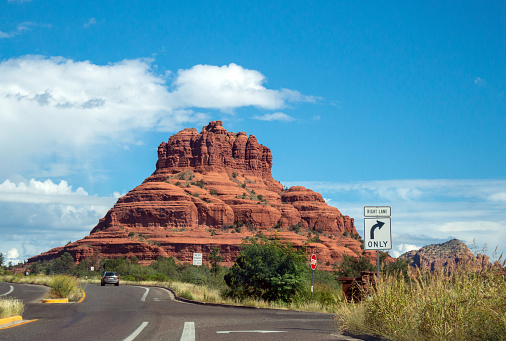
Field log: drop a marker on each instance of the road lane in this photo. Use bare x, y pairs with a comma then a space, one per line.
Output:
117, 313
28, 293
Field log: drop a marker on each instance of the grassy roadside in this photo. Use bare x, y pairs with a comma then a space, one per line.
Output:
465, 305
61, 286
203, 293
200, 293
10, 307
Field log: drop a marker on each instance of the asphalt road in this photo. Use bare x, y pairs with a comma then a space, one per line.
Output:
141, 313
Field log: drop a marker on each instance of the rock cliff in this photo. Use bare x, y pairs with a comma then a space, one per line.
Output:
214, 188
451, 255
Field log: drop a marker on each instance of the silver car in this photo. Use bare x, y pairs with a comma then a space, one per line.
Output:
109, 277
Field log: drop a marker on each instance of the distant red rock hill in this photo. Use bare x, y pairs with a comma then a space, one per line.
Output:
213, 189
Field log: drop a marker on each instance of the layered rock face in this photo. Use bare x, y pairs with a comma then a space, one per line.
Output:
213, 189
450, 255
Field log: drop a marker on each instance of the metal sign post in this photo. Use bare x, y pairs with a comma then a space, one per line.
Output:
377, 230
313, 267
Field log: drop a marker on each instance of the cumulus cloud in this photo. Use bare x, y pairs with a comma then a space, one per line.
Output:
47, 192
229, 87
277, 116
12, 254
403, 248
39, 215
50, 107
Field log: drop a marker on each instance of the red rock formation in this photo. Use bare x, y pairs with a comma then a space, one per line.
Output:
450, 255
214, 189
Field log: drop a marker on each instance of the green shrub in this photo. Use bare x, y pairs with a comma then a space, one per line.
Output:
158, 278
268, 270
128, 278
65, 287
186, 294
353, 266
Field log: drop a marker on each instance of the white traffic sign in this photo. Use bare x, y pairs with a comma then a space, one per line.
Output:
377, 211
377, 234
197, 259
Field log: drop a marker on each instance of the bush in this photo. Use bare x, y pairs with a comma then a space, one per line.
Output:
353, 266
186, 294
268, 270
65, 287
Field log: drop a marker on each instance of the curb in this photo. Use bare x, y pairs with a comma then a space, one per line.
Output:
55, 300
10, 319
82, 298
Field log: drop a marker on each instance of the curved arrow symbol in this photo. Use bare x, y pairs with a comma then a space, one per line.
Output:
379, 224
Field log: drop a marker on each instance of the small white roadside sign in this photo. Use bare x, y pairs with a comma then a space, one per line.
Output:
197, 259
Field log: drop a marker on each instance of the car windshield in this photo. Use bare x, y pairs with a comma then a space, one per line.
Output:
110, 274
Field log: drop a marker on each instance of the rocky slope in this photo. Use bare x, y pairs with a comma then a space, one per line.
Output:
214, 188
450, 255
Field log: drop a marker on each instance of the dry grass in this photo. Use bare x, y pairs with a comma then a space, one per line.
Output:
61, 286
10, 307
464, 305
65, 287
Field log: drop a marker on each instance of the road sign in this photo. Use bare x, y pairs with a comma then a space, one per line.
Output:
377, 211
313, 262
377, 234
197, 259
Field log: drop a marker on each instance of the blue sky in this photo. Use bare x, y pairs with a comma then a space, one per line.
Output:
386, 103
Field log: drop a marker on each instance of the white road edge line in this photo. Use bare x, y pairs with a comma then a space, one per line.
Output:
188, 332
145, 294
8, 292
136, 332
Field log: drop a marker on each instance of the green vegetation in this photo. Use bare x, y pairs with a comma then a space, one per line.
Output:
269, 270
10, 307
352, 266
63, 286
463, 305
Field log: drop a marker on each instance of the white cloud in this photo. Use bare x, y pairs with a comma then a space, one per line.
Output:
37, 216
47, 192
90, 22
228, 87
39, 187
427, 211
480, 82
402, 248
277, 116
51, 107
498, 197
12, 254
19, 29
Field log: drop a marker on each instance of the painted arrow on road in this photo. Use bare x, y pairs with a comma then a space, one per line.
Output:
379, 224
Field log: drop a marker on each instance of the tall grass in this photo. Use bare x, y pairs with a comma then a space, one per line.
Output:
10, 307
463, 305
65, 287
